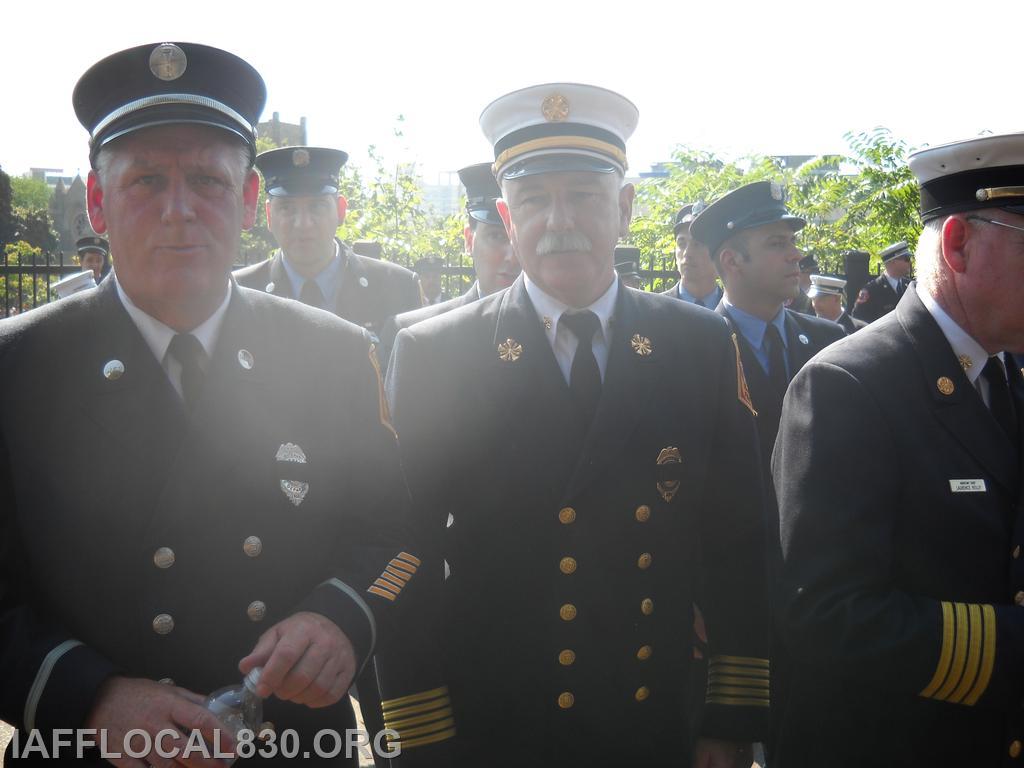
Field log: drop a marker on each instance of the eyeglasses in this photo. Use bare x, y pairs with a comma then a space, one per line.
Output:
997, 223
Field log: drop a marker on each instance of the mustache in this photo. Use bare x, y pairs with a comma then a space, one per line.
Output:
559, 242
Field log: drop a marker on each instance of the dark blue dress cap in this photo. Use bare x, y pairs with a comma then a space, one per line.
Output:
809, 264
982, 172
294, 171
92, 243
167, 83
627, 260
898, 250
427, 264
750, 206
481, 192
685, 216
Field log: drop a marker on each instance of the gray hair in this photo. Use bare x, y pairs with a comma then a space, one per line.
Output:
931, 271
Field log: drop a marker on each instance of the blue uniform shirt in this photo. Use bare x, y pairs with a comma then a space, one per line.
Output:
753, 330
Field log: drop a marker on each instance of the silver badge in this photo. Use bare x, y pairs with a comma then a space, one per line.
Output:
113, 370
245, 359
803, 339
295, 491
300, 158
168, 62
270, 287
363, 282
776, 189
291, 452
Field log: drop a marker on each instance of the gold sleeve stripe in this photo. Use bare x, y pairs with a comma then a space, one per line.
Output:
381, 593
945, 655
425, 730
398, 725
956, 669
410, 558
414, 698
988, 655
741, 660
745, 682
410, 569
732, 690
967, 656
424, 740
391, 714
382, 401
391, 581
397, 573
384, 584
736, 701
742, 390
730, 669
973, 656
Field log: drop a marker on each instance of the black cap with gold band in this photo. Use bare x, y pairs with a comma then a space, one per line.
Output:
167, 83
559, 127
983, 172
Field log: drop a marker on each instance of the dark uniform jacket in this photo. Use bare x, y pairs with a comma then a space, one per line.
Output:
674, 293
370, 291
850, 324
187, 537
576, 554
899, 597
877, 298
404, 320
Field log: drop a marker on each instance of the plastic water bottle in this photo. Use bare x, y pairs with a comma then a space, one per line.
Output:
238, 706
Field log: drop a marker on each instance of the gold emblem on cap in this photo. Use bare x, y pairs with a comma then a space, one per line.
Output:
555, 108
965, 361
641, 345
945, 385
510, 350
300, 158
167, 62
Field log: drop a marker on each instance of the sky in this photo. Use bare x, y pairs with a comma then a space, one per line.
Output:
783, 77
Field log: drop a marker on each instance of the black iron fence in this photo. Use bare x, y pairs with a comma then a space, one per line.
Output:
26, 279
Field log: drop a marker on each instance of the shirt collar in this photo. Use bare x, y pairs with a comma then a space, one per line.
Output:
753, 328
550, 310
685, 295
326, 279
158, 335
894, 282
971, 354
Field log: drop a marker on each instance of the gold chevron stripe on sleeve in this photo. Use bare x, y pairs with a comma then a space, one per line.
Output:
415, 698
424, 740
385, 584
397, 573
738, 681
411, 559
738, 701
745, 661
382, 593
988, 655
403, 566
967, 655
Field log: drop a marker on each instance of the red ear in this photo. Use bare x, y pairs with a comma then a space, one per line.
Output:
94, 199
506, 218
467, 236
342, 208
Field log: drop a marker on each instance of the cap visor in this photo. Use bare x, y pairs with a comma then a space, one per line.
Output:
557, 164
487, 217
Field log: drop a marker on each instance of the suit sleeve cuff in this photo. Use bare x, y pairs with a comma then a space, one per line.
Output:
345, 607
737, 701
65, 687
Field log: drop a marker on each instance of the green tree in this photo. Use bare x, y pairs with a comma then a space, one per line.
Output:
30, 193
24, 290
7, 224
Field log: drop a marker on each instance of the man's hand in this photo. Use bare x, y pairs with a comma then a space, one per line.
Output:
306, 659
714, 753
125, 704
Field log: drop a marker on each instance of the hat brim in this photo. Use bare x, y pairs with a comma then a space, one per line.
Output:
171, 114
302, 190
555, 163
487, 216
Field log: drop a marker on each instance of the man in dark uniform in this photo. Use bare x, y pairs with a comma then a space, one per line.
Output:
304, 210
627, 265
901, 602
826, 295
583, 457
698, 279
428, 270
94, 254
802, 302
487, 244
879, 296
242, 514
752, 240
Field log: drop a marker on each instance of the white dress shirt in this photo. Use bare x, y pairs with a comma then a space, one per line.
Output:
563, 341
158, 336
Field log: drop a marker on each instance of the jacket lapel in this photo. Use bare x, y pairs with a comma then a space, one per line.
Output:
798, 343
348, 301
634, 359
962, 411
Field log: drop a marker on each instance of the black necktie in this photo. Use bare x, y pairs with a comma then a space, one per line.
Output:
186, 349
1000, 401
585, 376
901, 288
311, 294
776, 360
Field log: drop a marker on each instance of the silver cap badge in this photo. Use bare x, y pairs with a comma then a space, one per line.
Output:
168, 62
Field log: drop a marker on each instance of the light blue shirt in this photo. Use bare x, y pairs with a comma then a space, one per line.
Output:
329, 279
708, 302
753, 330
